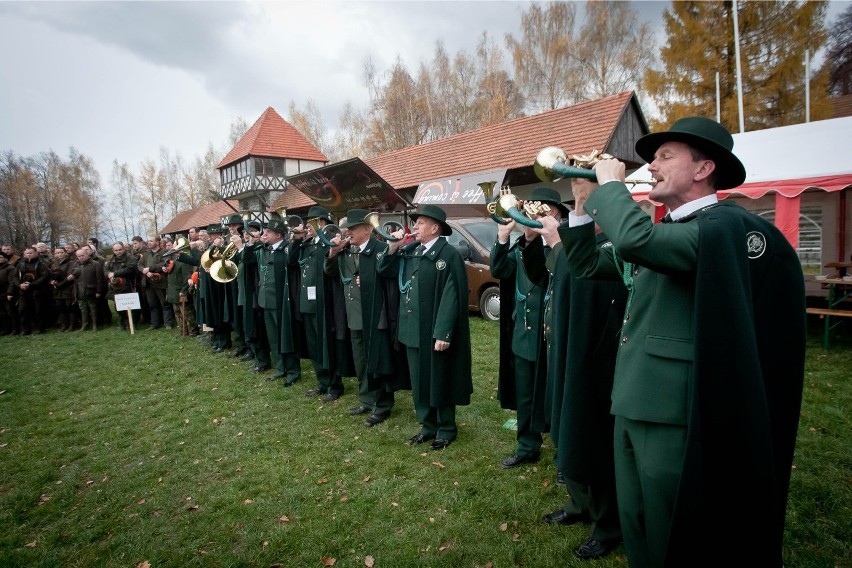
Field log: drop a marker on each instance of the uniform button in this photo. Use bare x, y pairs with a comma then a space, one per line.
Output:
528, 328
528, 310
623, 340
594, 211
636, 272
626, 317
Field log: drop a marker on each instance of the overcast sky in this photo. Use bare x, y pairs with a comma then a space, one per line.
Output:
118, 80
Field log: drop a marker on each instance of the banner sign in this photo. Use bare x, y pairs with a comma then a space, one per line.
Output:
348, 185
460, 190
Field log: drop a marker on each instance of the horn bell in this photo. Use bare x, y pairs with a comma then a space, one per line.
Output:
224, 271
381, 228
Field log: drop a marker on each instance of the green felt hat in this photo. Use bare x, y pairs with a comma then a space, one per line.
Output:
436, 214
705, 135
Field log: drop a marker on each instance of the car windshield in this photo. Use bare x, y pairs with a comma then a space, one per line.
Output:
486, 233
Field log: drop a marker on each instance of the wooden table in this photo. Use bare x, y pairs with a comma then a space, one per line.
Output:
840, 266
838, 291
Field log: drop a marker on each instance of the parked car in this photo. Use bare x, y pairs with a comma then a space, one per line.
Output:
474, 239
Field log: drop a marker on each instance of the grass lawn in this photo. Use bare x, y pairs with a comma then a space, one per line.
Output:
119, 450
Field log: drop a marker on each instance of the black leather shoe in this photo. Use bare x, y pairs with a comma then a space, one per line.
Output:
247, 356
356, 410
218, 349
560, 517
260, 368
235, 354
331, 397
374, 419
592, 549
440, 443
290, 382
515, 460
274, 378
315, 392
418, 439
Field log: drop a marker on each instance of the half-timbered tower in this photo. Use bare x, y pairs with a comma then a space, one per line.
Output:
255, 170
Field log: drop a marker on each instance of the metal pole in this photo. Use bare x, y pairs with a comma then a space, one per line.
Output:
718, 102
739, 71
807, 85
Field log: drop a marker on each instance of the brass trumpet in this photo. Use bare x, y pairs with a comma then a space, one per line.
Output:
551, 164
381, 229
182, 245
292, 221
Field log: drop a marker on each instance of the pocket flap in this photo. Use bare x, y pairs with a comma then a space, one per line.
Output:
669, 347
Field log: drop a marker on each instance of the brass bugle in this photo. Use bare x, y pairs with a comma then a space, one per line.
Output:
381, 229
324, 232
507, 206
551, 164
488, 192
181, 246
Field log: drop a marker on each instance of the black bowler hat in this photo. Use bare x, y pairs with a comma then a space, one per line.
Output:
234, 219
705, 135
551, 197
214, 228
436, 214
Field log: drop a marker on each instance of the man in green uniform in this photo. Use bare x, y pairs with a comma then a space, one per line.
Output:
523, 372
254, 330
307, 255
582, 344
433, 324
233, 314
353, 261
708, 379
272, 292
120, 271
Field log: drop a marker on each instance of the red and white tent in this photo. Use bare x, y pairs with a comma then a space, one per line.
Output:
788, 161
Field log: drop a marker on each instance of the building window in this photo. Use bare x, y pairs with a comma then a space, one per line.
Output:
810, 236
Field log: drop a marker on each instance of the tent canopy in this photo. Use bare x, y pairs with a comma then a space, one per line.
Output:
787, 160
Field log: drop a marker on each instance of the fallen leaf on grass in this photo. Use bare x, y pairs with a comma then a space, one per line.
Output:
144, 564
489, 565
328, 561
43, 499
504, 527
516, 537
31, 544
369, 561
140, 502
366, 479
248, 502
283, 519
546, 484
322, 481
444, 547
344, 498
192, 508
439, 464
395, 504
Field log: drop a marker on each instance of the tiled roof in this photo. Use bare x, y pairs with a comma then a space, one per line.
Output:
576, 129
273, 137
200, 217
293, 199
841, 106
